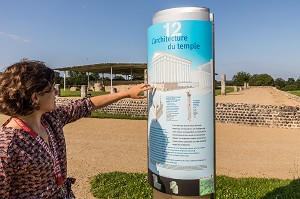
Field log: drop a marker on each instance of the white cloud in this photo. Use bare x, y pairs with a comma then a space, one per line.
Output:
14, 37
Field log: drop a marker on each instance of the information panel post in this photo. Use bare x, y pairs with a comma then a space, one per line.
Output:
181, 127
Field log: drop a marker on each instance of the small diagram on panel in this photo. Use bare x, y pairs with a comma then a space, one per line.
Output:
189, 105
174, 187
157, 109
171, 72
156, 184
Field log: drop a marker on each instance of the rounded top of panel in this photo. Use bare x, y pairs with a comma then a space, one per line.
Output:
182, 13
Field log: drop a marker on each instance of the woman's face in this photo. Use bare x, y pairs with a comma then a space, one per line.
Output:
47, 99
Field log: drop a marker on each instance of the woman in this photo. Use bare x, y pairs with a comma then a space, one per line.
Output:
32, 145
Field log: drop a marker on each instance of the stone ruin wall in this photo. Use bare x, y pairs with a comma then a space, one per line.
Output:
242, 114
132, 107
258, 115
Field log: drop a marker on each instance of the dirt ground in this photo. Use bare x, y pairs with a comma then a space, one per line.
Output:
104, 145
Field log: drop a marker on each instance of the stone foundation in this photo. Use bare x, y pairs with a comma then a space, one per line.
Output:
258, 115
132, 107
243, 114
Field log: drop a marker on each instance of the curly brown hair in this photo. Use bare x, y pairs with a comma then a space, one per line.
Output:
17, 84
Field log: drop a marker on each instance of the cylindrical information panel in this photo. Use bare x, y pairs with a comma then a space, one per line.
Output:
181, 143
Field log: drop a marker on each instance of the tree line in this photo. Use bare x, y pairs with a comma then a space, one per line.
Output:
264, 80
81, 78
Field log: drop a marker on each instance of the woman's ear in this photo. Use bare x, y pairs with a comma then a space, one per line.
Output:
35, 98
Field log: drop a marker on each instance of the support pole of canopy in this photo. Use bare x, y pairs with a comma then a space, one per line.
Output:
111, 88
88, 86
65, 80
131, 74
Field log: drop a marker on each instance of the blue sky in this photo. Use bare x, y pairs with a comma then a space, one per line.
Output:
253, 36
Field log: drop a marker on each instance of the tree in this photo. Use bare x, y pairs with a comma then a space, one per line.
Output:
279, 83
290, 87
290, 81
77, 78
240, 78
217, 84
298, 82
57, 77
261, 80
118, 78
138, 77
94, 76
291, 84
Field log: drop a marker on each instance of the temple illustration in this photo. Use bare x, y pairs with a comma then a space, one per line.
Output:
171, 72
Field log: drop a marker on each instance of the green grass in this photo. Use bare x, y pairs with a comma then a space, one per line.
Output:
228, 90
257, 188
135, 186
96, 114
68, 93
295, 92
121, 185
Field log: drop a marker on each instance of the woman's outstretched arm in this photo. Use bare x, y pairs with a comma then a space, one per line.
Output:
133, 92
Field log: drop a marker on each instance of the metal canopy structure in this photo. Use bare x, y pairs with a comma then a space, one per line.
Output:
115, 68
112, 68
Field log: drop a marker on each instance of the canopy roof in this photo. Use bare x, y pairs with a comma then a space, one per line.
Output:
115, 68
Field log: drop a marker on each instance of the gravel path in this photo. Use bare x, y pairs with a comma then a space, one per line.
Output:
104, 145
258, 95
